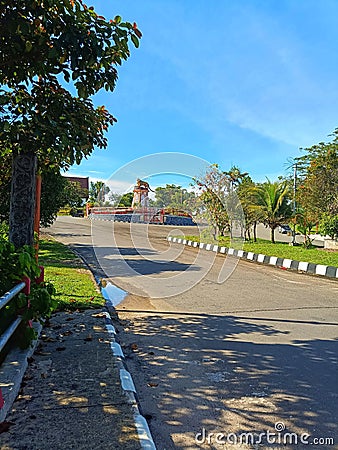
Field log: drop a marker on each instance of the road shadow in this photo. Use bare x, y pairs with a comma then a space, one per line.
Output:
196, 372
108, 261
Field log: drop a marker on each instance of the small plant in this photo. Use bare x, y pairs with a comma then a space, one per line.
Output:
38, 305
329, 226
304, 225
15, 264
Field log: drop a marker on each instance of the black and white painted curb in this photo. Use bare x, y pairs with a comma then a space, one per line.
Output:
283, 263
146, 440
127, 384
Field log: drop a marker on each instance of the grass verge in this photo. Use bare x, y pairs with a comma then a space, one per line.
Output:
74, 283
283, 250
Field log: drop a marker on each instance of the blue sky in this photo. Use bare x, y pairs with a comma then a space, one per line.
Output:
244, 82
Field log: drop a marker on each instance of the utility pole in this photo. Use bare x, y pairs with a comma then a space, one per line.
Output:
294, 203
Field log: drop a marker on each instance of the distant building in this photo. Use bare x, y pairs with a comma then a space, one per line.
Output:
83, 182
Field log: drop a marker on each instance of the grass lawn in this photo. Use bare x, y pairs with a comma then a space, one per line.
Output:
283, 250
73, 282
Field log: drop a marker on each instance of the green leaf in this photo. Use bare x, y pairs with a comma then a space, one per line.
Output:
29, 46
117, 19
135, 41
138, 33
66, 75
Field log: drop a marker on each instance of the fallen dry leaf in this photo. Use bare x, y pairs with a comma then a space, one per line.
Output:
48, 339
99, 315
67, 333
5, 426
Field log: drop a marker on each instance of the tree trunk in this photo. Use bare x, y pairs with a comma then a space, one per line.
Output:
37, 213
273, 235
21, 216
255, 231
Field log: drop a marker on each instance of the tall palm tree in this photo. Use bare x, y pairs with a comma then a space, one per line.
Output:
247, 193
274, 204
235, 176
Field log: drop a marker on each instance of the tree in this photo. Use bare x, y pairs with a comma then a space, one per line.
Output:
172, 196
74, 195
121, 200
329, 226
317, 191
247, 194
97, 192
56, 193
273, 203
5, 187
304, 222
126, 200
214, 186
235, 176
43, 124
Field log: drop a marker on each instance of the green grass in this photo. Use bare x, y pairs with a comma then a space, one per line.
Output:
283, 250
73, 282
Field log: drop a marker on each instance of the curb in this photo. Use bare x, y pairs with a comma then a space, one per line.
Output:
283, 263
127, 384
12, 371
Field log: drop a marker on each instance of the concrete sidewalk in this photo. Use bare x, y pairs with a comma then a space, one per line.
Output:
71, 396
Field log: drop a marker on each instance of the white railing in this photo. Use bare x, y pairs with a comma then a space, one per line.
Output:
4, 300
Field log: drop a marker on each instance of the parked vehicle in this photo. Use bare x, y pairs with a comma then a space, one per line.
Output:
77, 212
284, 229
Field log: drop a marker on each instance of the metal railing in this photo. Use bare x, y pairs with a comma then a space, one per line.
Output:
4, 300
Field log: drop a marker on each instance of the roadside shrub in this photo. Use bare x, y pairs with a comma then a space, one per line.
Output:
15, 265
329, 226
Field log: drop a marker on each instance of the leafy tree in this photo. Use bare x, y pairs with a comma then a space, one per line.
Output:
97, 192
247, 194
273, 204
56, 193
42, 122
73, 194
121, 200
126, 200
304, 223
214, 186
235, 176
329, 226
317, 191
172, 196
5, 187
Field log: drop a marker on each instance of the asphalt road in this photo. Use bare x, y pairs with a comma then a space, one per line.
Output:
238, 356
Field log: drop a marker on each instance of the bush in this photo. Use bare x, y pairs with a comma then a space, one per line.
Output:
329, 226
15, 264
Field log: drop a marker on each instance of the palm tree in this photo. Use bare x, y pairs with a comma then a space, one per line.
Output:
235, 176
247, 193
274, 204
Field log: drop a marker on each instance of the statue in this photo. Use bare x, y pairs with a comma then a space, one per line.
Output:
141, 190
143, 185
